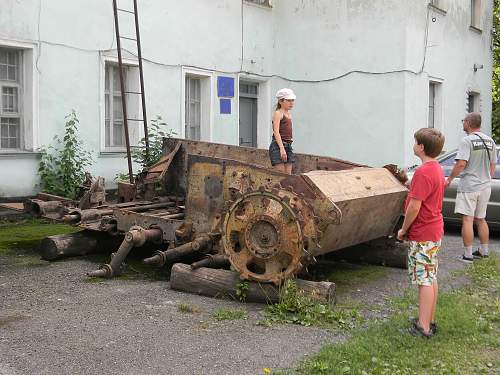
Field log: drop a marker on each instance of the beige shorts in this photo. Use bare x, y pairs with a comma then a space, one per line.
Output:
473, 203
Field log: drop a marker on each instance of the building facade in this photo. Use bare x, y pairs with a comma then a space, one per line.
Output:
367, 75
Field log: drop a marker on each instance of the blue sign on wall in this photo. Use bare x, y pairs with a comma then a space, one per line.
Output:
225, 86
225, 106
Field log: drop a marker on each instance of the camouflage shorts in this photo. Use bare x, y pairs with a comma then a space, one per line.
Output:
423, 262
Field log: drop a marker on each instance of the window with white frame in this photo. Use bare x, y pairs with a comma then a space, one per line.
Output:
438, 4
435, 107
473, 102
193, 108
261, 2
114, 133
10, 98
475, 13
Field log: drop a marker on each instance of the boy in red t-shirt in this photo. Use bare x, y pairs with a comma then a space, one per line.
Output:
423, 227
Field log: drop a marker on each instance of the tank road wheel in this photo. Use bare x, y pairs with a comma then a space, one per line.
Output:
262, 237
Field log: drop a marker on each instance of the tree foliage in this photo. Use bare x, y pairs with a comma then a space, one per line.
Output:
495, 116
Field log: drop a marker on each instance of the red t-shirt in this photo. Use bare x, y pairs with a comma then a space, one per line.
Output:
427, 186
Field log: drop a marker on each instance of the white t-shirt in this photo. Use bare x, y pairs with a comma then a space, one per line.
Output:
476, 174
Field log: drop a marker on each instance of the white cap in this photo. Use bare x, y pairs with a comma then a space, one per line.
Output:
287, 94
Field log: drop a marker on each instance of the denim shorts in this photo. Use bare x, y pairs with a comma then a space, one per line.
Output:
274, 153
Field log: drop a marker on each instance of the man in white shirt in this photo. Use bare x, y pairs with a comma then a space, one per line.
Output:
475, 163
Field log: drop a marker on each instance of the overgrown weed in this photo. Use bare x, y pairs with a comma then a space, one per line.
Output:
295, 307
229, 314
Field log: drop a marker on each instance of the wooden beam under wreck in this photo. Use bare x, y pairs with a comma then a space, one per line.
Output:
223, 283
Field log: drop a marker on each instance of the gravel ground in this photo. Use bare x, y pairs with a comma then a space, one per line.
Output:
53, 321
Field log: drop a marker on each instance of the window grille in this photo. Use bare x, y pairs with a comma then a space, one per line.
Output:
113, 117
10, 98
193, 108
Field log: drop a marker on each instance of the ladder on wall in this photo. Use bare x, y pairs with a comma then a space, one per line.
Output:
124, 92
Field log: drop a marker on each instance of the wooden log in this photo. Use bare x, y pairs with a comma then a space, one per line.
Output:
223, 283
77, 244
384, 252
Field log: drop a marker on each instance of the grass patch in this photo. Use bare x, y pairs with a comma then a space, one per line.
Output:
19, 240
346, 275
5, 320
229, 314
187, 308
467, 341
296, 308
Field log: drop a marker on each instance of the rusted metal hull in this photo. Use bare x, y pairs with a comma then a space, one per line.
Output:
267, 224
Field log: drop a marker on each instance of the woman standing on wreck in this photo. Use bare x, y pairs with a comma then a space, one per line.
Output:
280, 150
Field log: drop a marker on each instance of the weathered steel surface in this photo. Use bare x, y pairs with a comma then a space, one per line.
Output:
273, 224
216, 203
370, 200
93, 193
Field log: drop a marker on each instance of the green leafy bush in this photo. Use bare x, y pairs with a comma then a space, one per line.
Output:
62, 166
155, 137
156, 133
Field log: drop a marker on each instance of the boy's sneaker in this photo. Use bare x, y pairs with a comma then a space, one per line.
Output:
416, 330
434, 326
477, 254
466, 259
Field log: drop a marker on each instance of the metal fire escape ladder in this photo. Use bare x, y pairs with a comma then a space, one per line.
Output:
137, 39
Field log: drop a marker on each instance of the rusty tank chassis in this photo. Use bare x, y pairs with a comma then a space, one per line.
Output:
272, 225
267, 225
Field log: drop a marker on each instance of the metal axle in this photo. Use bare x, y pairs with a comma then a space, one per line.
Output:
135, 237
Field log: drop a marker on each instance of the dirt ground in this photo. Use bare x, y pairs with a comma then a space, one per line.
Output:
54, 321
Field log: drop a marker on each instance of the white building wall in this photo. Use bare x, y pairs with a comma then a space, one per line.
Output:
363, 117
453, 47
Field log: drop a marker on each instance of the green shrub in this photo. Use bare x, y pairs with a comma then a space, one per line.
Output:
62, 166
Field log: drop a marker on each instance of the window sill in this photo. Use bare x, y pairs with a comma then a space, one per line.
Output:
438, 9
113, 153
475, 29
19, 154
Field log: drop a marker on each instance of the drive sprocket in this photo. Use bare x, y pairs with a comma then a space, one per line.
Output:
263, 234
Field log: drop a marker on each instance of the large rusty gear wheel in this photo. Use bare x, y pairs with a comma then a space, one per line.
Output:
263, 236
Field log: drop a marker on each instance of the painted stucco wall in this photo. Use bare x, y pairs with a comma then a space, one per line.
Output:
453, 48
367, 116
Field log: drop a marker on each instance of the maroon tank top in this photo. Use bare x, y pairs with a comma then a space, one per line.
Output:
286, 129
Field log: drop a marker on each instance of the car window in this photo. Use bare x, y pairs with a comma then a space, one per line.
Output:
497, 168
448, 164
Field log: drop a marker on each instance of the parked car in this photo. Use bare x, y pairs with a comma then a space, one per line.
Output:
447, 161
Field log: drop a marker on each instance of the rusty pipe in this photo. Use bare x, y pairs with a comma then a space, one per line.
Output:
212, 261
40, 208
150, 206
135, 237
78, 216
179, 215
201, 243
